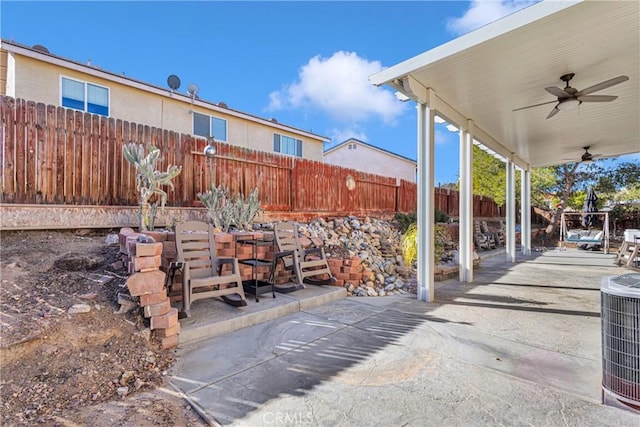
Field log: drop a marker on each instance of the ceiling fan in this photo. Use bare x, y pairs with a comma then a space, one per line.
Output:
569, 97
587, 157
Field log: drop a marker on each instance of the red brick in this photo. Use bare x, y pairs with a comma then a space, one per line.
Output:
226, 253
146, 262
339, 283
165, 321
223, 237
353, 261
268, 235
126, 230
342, 276
159, 309
334, 263
304, 241
169, 250
355, 276
149, 249
169, 342
164, 333
317, 242
158, 236
147, 283
356, 269
130, 243
156, 298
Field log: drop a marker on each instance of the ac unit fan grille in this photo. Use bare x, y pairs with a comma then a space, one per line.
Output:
621, 340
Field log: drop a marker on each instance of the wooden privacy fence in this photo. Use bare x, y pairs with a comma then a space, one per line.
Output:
54, 155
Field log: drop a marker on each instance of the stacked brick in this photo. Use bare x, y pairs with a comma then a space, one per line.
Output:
146, 281
350, 271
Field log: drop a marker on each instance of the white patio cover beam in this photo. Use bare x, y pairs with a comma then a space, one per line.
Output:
525, 212
426, 203
465, 235
511, 212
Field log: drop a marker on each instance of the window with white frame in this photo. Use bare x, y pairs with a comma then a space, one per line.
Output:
287, 145
84, 96
210, 126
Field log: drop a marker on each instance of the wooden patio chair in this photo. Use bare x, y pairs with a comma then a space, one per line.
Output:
203, 274
481, 240
309, 265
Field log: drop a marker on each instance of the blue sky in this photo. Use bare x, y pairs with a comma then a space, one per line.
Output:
270, 59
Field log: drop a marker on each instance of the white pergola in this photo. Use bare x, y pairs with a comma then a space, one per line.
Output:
477, 80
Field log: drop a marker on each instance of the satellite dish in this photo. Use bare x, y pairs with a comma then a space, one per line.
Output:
40, 48
173, 82
192, 89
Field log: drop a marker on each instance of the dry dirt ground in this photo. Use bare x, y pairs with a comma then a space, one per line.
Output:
63, 369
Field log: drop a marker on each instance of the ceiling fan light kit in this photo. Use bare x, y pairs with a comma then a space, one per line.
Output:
569, 104
569, 98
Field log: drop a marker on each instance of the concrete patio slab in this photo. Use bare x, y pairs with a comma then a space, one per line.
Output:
213, 317
520, 346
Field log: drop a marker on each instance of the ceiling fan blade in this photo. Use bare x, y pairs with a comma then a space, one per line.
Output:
536, 105
603, 85
553, 112
556, 91
596, 98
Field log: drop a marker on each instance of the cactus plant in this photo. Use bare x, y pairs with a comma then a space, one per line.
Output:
149, 181
224, 212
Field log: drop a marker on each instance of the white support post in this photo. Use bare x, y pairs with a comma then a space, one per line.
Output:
426, 291
525, 213
465, 238
511, 212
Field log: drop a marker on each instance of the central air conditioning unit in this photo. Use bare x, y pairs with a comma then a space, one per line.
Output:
620, 314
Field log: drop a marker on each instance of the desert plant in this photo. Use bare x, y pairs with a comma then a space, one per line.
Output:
149, 180
246, 209
224, 212
409, 243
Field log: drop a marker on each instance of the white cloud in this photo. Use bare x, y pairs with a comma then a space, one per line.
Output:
341, 135
339, 87
482, 12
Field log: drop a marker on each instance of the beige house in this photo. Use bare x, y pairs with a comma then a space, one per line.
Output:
32, 73
359, 155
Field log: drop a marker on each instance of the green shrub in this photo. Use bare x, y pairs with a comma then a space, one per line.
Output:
409, 243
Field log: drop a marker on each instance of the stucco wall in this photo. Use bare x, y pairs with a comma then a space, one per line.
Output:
40, 81
369, 160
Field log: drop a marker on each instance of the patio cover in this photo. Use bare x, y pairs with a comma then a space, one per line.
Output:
476, 80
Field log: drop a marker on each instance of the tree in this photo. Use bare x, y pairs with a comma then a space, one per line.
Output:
489, 176
563, 184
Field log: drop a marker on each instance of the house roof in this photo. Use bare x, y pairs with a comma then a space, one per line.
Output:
352, 140
484, 75
50, 58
